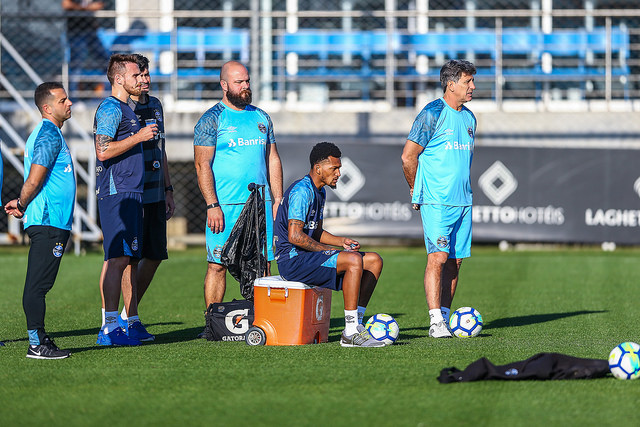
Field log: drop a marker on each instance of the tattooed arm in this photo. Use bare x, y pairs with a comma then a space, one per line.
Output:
107, 148
299, 238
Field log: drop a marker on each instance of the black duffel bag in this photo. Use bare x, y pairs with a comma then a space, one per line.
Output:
228, 321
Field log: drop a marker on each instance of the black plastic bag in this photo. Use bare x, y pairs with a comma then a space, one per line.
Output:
244, 254
542, 366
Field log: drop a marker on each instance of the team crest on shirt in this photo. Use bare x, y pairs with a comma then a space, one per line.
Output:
470, 132
262, 128
58, 250
134, 244
134, 122
442, 242
158, 115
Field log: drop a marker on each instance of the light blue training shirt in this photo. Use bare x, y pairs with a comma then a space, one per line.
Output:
53, 205
240, 139
447, 137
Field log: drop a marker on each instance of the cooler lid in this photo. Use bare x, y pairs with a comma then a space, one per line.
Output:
279, 282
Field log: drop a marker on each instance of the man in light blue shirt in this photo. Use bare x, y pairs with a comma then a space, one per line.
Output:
436, 161
234, 145
46, 205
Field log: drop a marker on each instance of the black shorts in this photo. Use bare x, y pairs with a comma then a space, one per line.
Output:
154, 231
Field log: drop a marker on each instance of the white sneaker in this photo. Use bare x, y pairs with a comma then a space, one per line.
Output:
439, 330
362, 338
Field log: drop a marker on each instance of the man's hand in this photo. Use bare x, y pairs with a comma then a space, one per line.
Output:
215, 220
11, 208
169, 204
148, 132
350, 244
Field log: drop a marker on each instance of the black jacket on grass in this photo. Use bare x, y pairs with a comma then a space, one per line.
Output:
542, 366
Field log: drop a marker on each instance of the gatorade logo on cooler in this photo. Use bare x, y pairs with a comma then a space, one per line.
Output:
319, 308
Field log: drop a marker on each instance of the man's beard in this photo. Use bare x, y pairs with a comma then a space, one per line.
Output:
133, 90
240, 99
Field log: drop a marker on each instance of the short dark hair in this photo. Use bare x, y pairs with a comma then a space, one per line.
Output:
452, 70
322, 151
142, 61
43, 93
117, 64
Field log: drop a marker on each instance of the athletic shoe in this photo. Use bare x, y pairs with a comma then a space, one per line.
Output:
47, 350
203, 334
1, 344
123, 324
439, 330
138, 331
362, 338
116, 337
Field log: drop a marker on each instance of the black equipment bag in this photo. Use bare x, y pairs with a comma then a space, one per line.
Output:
245, 252
228, 321
542, 366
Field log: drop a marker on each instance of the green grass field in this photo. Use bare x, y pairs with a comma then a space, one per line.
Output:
575, 301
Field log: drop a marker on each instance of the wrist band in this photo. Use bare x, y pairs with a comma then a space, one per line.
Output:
213, 205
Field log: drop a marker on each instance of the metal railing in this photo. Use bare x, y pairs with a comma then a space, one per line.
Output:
85, 224
397, 82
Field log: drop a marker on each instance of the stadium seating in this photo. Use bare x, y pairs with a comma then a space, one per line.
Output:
195, 44
316, 49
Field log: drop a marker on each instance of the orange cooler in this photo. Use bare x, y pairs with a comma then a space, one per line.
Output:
290, 313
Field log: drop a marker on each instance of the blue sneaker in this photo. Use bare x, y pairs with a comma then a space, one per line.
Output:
123, 324
139, 332
116, 337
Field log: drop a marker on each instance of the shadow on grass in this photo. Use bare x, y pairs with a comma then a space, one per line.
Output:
531, 319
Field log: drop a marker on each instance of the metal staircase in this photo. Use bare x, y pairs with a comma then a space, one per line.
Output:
85, 226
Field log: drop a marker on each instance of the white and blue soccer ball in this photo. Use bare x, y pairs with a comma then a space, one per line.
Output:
465, 322
624, 361
383, 327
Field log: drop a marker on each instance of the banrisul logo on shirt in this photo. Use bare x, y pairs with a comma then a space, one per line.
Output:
455, 145
243, 142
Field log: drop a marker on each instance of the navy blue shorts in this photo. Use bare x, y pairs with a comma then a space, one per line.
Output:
154, 233
121, 222
313, 268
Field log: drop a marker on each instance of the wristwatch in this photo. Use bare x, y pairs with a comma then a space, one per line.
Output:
213, 205
20, 207
169, 188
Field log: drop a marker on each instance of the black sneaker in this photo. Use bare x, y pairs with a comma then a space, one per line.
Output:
47, 350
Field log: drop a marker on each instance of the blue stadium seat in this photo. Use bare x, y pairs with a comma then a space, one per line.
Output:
231, 44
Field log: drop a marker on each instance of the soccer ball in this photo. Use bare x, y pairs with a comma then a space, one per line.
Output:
624, 361
383, 327
465, 322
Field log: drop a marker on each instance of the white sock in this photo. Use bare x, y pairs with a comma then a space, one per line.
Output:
131, 320
350, 322
102, 327
110, 321
435, 316
123, 314
445, 313
361, 311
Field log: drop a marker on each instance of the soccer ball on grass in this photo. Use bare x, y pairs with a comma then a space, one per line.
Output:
465, 322
383, 327
624, 361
